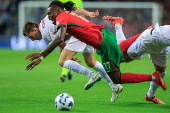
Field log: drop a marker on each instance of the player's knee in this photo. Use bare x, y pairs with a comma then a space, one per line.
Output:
126, 57
61, 63
90, 65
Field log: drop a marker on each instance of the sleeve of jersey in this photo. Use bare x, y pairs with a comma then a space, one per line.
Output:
62, 20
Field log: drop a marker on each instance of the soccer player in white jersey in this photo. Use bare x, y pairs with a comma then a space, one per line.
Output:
47, 31
153, 41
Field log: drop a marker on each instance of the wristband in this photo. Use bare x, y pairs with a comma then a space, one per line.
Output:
41, 57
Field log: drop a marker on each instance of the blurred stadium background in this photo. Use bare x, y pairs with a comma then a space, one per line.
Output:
136, 19
34, 91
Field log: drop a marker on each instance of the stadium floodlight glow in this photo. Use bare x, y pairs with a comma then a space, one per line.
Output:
156, 9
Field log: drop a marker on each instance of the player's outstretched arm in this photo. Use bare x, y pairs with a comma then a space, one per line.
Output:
86, 13
56, 42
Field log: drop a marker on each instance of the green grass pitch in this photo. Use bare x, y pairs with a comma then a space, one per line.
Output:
34, 91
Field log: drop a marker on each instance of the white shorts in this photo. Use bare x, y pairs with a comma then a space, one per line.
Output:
78, 46
145, 44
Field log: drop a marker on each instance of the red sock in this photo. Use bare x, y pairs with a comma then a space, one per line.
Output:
124, 45
134, 78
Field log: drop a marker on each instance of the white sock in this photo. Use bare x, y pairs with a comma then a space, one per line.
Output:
119, 33
100, 69
76, 67
154, 87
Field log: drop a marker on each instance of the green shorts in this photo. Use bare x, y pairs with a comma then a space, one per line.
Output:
110, 52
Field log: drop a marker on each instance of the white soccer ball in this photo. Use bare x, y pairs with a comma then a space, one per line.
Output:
64, 101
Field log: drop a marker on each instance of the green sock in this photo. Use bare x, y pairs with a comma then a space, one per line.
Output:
64, 71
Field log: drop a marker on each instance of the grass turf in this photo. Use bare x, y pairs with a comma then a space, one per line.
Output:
34, 91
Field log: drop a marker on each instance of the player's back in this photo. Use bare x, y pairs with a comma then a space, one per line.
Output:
81, 28
47, 29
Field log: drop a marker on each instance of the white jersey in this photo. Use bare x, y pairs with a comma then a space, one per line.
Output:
165, 32
48, 31
155, 44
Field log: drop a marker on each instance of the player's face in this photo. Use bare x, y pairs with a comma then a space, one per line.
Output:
35, 34
52, 13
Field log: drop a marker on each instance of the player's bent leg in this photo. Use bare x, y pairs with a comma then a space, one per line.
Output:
97, 66
115, 77
136, 78
65, 61
90, 61
159, 81
65, 55
150, 96
64, 71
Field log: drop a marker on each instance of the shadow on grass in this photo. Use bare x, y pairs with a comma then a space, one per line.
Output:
145, 105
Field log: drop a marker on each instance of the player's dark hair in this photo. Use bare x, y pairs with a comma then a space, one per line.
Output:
28, 27
69, 6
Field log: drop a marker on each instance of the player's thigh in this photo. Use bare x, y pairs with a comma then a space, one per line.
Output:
135, 51
65, 55
75, 45
89, 59
160, 61
138, 48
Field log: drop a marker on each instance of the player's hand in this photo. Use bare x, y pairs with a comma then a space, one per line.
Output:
33, 64
93, 14
75, 59
33, 56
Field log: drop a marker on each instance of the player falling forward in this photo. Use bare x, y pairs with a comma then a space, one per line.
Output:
79, 10
47, 31
101, 39
153, 41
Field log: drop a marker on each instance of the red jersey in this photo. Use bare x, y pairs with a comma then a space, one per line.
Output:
81, 28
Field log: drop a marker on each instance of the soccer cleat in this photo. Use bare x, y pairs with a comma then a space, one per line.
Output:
95, 78
116, 91
62, 78
69, 75
159, 81
113, 20
154, 100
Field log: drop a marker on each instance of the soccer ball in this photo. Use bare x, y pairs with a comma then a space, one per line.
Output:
64, 101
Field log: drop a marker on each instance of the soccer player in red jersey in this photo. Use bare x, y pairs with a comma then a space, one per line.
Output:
101, 39
47, 30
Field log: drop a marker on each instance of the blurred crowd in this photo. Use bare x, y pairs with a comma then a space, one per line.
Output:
9, 15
